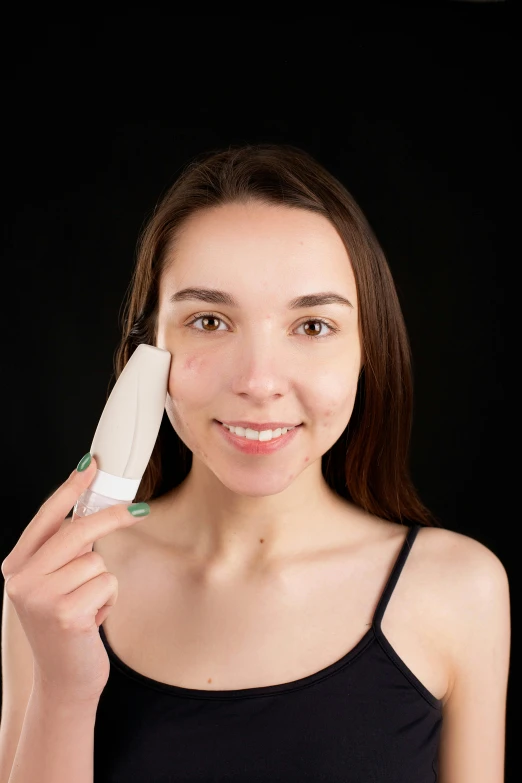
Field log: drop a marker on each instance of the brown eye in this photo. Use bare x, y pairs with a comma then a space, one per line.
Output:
206, 318
315, 332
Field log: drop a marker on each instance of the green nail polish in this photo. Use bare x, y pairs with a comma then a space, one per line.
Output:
84, 462
139, 509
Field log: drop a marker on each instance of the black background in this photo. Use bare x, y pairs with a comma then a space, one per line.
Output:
412, 108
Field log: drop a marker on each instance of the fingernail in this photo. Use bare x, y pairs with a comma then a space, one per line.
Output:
139, 509
84, 462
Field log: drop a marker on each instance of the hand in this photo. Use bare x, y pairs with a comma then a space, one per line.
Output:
62, 591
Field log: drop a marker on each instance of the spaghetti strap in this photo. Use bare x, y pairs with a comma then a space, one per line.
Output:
394, 576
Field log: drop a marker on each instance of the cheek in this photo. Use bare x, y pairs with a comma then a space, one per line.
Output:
332, 399
193, 380
192, 389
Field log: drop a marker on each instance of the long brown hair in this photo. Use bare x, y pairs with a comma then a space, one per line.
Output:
368, 464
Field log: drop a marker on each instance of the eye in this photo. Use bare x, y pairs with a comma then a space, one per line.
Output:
333, 329
211, 316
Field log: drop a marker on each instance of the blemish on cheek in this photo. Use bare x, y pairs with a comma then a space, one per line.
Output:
261, 540
190, 363
307, 459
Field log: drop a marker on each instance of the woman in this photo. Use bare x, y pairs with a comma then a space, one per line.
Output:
290, 612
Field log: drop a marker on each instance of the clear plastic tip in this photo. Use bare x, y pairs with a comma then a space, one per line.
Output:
89, 502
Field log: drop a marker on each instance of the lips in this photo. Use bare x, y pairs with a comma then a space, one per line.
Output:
256, 447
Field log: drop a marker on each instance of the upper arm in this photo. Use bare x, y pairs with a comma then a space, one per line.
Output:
472, 745
17, 684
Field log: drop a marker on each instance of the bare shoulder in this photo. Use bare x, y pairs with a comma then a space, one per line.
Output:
471, 598
459, 547
468, 569
464, 569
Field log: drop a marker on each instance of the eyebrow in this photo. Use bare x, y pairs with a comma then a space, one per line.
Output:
214, 296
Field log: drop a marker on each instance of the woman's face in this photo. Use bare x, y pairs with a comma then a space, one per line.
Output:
258, 358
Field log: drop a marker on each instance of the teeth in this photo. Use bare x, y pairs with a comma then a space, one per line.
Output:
264, 435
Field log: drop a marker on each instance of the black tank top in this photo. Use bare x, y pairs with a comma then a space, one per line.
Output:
364, 719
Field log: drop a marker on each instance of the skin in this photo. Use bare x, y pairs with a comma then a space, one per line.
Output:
235, 511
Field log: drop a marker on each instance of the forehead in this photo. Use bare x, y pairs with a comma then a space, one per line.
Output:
260, 246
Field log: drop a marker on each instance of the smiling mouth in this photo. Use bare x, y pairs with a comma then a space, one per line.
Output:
246, 433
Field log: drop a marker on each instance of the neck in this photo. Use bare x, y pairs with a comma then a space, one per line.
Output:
225, 532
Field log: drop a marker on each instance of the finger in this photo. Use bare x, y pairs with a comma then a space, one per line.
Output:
50, 516
69, 578
79, 607
68, 543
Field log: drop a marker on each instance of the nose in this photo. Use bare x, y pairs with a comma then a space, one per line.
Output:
261, 369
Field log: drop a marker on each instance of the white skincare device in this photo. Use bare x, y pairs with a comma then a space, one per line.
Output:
127, 430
